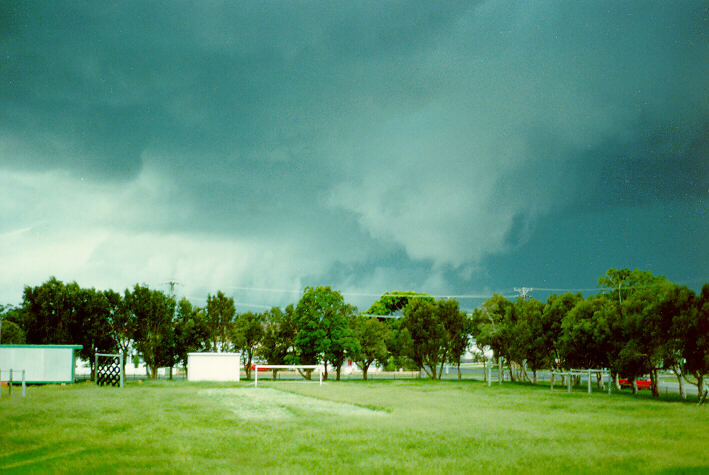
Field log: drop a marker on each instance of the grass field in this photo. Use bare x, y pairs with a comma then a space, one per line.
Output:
376, 426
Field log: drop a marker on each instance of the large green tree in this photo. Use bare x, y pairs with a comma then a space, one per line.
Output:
278, 343
392, 304
371, 335
556, 308
91, 325
49, 311
323, 331
220, 317
531, 341
247, 333
11, 319
425, 336
494, 327
696, 346
591, 335
122, 323
155, 333
458, 327
191, 330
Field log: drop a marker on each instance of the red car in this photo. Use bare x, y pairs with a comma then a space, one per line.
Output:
642, 383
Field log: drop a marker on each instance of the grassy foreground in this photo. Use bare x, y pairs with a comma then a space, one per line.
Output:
376, 426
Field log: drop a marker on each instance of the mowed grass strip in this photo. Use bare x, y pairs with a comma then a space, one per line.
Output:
445, 426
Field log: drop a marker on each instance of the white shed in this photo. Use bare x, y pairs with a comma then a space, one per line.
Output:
213, 366
41, 363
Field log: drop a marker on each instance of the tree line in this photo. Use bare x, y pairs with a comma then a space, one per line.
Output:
636, 325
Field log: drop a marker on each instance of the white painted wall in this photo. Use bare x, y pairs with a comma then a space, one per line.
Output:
42, 363
213, 366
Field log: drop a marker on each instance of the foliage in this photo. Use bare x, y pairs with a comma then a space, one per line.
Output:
191, 330
621, 283
154, 336
11, 333
278, 342
589, 334
493, 327
323, 331
392, 302
220, 317
121, 323
531, 340
555, 310
371, 335
696, 344
247, 333
424, 335
49, 313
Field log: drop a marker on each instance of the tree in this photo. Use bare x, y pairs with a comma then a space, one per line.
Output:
620, 283
425, 336
696, 345
278, 342
392, 302
531, 339
91, 324
247, 334
458, 329
121, 323
154, 336
323, 332
494, 328
556, 308
340, 337
371, 335
220, 316
677, 306
591, 335
49, 312
191, 330
11, 332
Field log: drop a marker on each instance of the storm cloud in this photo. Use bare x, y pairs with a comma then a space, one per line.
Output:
364, 145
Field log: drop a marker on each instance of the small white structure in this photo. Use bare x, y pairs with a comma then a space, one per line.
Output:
213, 366
42, 363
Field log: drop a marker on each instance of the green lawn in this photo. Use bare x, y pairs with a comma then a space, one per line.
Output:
375, 426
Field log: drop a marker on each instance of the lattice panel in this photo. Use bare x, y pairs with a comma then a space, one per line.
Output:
108, 374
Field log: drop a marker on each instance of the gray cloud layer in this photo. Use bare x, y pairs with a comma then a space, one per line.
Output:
397, 140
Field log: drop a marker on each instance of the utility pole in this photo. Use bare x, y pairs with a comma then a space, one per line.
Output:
523, 291
172, 284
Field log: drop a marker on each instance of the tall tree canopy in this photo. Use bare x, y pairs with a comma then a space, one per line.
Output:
153, 312
247, 333
220, 317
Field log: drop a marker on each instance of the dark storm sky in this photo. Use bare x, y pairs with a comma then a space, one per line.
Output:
444, 147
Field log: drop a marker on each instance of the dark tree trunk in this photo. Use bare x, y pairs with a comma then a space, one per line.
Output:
274, 374
247, 369
534, 373
337, 371
365, 368
654, 383
460, 376
678, 373
700, 386
635, 386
